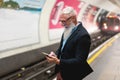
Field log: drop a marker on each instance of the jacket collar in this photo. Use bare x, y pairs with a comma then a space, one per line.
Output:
72, 35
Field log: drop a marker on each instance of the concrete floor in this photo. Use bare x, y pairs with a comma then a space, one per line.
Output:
107, 65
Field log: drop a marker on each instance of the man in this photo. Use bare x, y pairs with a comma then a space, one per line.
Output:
71, 56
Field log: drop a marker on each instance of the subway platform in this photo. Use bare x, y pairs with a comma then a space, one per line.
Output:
106, 64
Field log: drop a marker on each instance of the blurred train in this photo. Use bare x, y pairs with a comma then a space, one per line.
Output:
110, 24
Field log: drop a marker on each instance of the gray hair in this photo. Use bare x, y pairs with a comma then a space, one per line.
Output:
69, 10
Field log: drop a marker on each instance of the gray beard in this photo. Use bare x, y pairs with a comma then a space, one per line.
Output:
68, 30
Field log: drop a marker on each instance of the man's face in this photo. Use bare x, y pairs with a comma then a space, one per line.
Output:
65, 20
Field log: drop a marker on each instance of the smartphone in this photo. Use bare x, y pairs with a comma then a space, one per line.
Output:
46, 54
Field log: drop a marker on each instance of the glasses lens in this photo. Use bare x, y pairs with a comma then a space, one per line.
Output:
63, 21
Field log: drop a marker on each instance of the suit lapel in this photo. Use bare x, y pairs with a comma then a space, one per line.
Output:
71, 36
61, 42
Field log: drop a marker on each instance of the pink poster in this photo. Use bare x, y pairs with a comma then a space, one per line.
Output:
55, 13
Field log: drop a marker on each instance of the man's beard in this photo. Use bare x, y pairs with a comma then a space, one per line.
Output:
68, 30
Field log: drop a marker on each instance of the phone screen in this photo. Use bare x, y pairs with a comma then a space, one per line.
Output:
46, 54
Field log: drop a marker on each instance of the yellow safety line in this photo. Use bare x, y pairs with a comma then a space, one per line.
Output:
100, 51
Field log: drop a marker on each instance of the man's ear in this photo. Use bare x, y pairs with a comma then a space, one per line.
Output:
74, 19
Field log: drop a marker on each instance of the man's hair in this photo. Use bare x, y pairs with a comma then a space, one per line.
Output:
69, 10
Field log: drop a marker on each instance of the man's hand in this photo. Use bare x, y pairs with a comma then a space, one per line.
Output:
53, 58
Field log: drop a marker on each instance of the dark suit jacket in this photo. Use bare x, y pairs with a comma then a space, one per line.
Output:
73, 61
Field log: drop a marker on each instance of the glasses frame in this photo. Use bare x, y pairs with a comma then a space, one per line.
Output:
64, 21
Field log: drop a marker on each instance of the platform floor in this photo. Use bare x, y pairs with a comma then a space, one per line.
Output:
107, 65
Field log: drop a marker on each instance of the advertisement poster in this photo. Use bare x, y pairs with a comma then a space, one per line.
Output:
55, 28
19, 23
88, 18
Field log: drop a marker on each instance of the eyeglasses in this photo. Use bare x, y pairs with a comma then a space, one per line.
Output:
64, 21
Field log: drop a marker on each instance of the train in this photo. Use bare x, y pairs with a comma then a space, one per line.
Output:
108, 22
